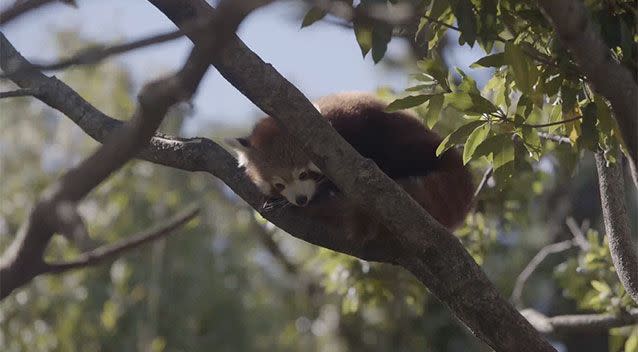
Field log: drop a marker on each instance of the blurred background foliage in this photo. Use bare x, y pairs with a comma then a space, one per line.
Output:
229, 281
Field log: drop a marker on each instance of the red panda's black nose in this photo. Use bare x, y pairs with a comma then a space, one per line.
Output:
301, 200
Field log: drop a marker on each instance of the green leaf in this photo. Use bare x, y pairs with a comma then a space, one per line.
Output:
313, 15
424, 77
473, 140
492, 145
466, 18
504, 155
381, 36
496, 85
600, 286
109, 315
524, 106
468, 84
438, 7
421, 87
605, 121
568, 95
363, 34
488, 23
631, 345
517, 60
459, 101
532, 142
494, 60
552, 85
407, 102
434, 110
469, 103
459, 136
554, 116
482, 105
521, 164
434, 68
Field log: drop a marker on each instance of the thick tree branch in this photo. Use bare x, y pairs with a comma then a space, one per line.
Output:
422, 245
111, 252
612, 199
23, 260
564, 324
609, 78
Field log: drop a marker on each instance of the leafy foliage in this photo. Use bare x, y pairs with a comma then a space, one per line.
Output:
591, 279
535, 88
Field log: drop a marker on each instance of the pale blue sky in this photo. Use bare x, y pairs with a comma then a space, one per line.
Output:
320, 60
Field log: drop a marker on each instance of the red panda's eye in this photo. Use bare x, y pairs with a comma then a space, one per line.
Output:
303, 175
280, 186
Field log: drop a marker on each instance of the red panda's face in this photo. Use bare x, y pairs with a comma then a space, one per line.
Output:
279, 168
297, 186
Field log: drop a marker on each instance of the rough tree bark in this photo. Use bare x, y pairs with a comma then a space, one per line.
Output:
612, 199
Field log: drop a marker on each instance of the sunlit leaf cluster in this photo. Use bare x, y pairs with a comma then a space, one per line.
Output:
590, 278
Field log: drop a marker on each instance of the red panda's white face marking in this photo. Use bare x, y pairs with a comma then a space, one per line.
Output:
279, 169
301, 187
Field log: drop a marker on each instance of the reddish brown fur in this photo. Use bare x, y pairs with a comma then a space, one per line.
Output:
400, 145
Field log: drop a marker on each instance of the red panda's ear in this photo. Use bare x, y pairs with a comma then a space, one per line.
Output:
241, 147
239, 144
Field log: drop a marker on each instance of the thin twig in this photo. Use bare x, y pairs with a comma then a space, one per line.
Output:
502, 116
110, 252
578, 232
25, 92
441, 23
521, 280
549, 124
554, 137
94, 55
486, 175
19, 8
579, 322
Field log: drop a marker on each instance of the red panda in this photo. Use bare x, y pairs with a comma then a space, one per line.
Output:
397, 142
